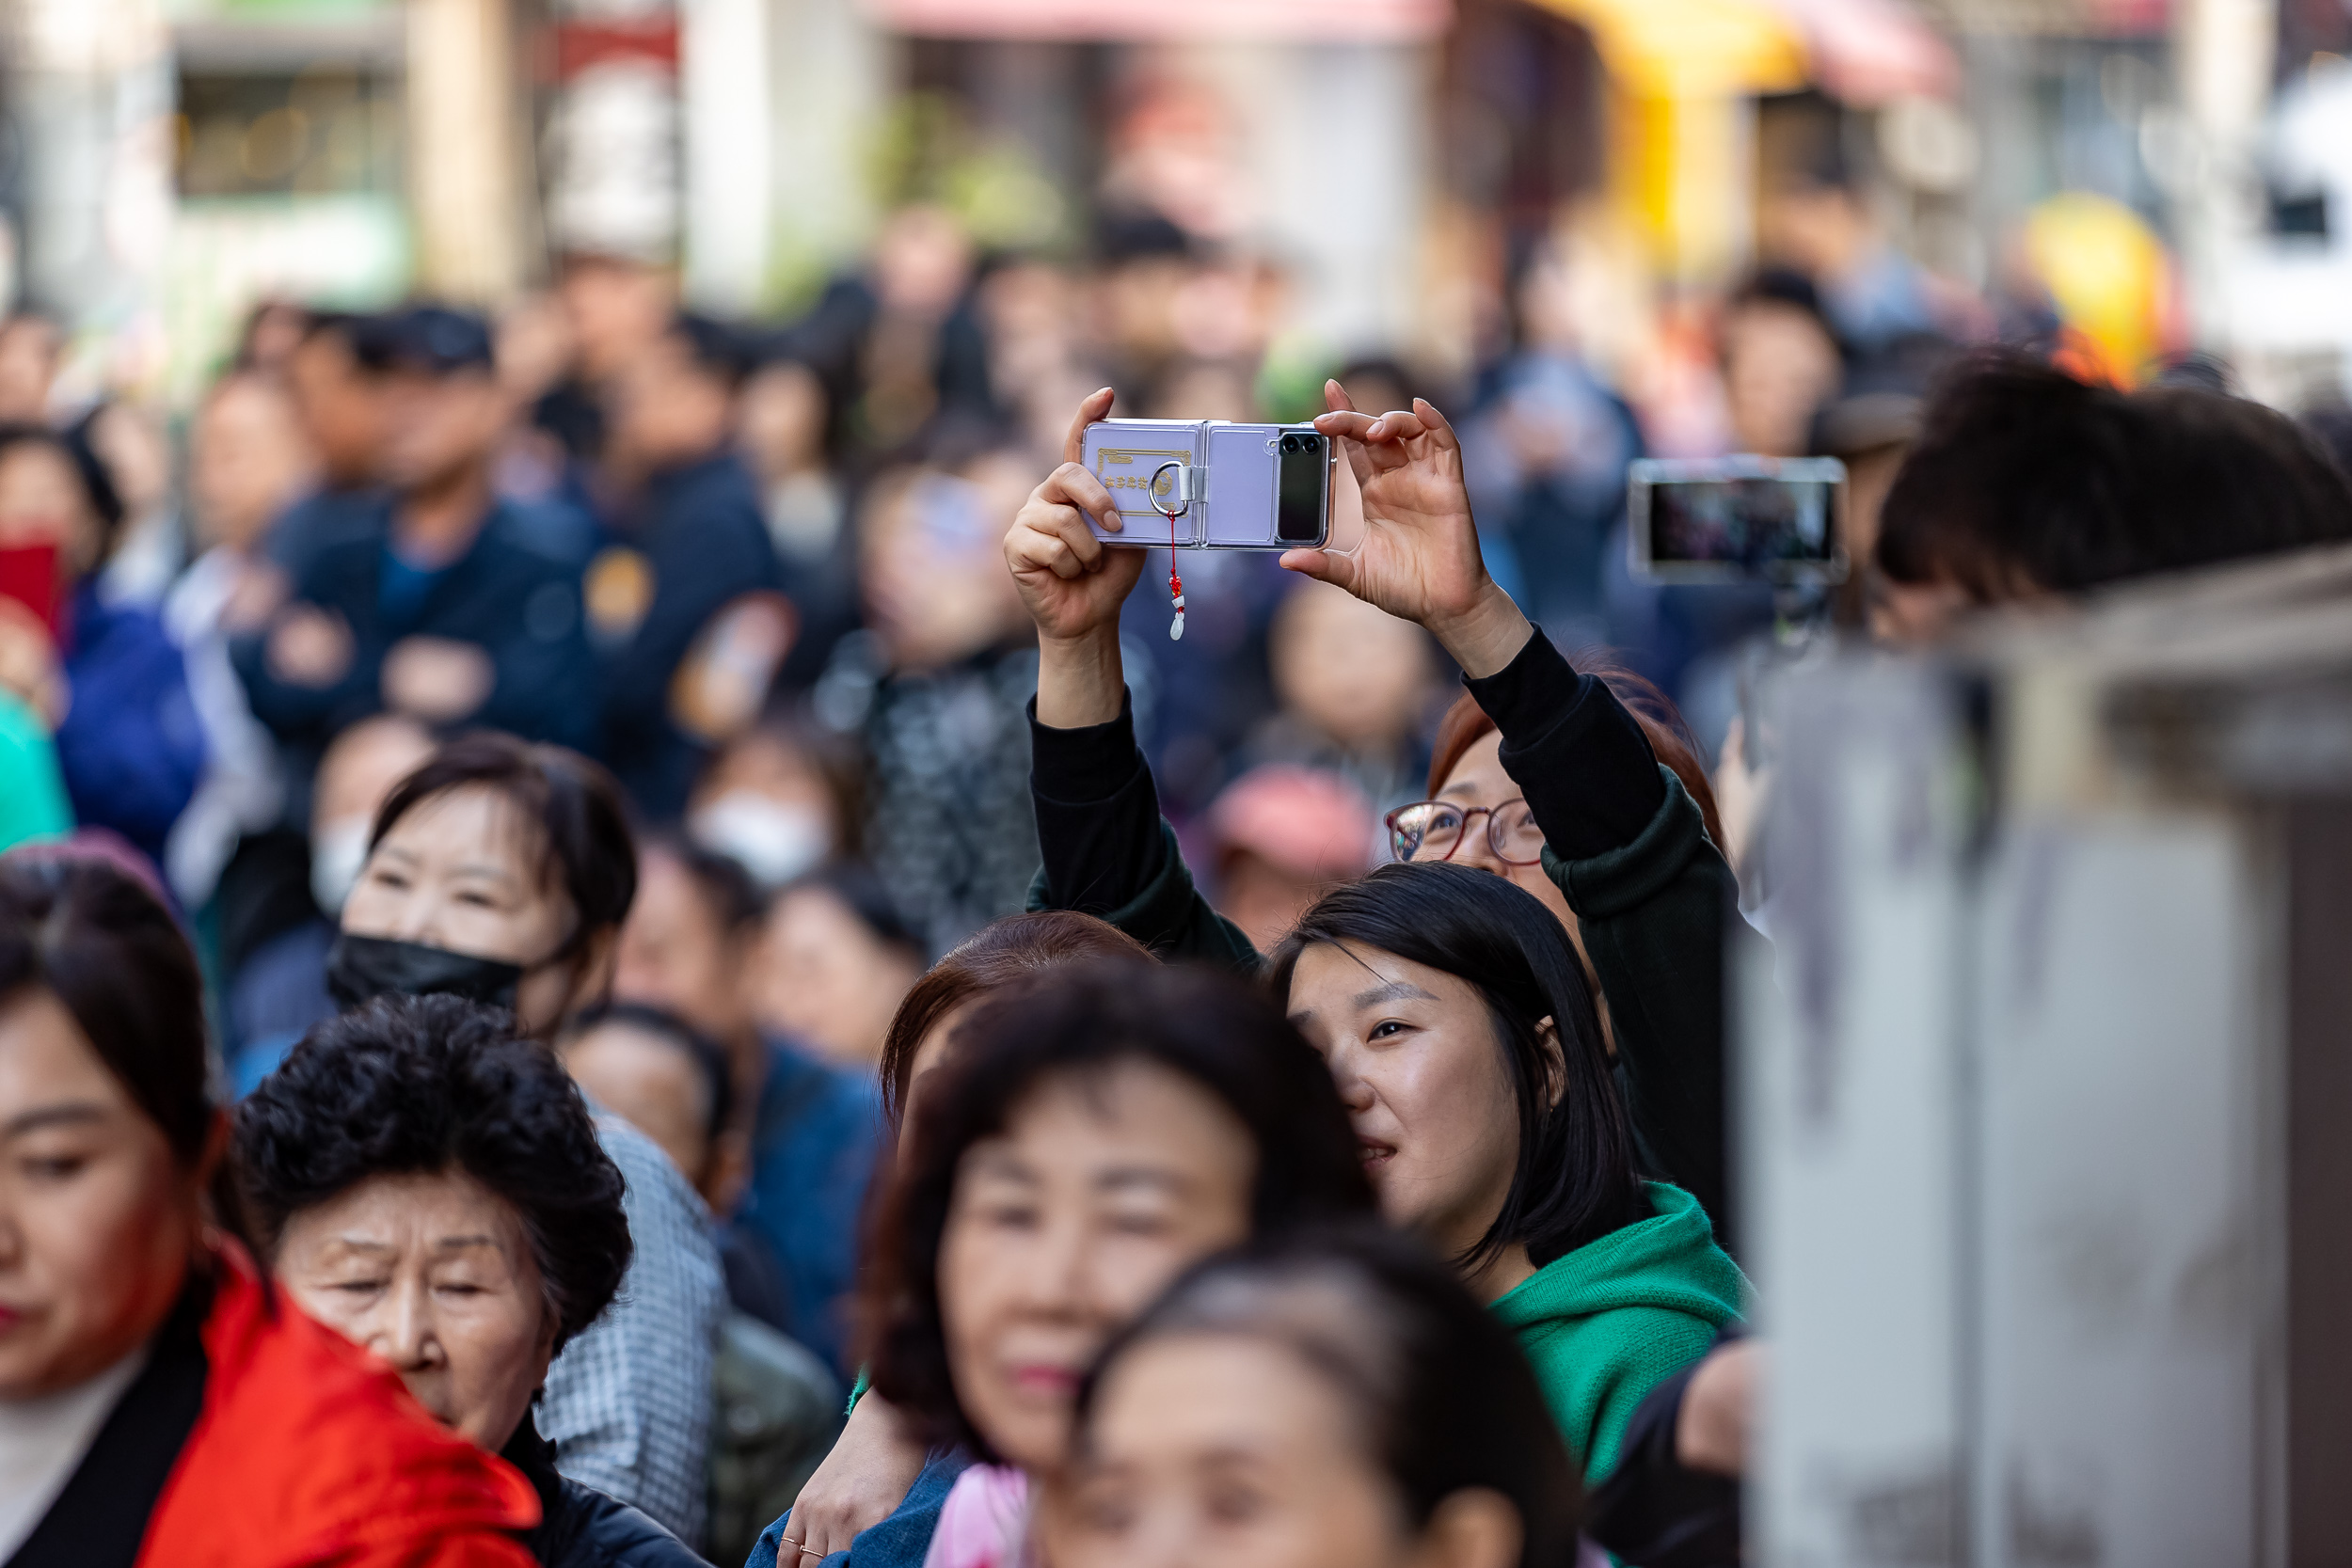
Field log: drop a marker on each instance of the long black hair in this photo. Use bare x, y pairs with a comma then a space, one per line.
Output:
1076, 1021
1434, 1386
1575, 1180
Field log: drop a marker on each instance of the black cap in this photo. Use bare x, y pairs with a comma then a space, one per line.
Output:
437, 340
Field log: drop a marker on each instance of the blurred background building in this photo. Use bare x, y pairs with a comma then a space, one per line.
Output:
168, 161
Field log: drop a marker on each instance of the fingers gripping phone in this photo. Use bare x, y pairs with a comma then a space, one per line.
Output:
1213, 484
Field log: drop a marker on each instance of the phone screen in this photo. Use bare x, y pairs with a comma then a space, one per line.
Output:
1735, 518
1300, 496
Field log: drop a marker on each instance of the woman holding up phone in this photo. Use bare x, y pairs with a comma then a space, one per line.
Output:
1543, 775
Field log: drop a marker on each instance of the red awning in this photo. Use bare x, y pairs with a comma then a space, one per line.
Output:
1112, 21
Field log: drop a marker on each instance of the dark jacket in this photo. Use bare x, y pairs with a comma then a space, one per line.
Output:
582, 1528
815, 1140
702, 541
1624, 841
131, 749
512, 595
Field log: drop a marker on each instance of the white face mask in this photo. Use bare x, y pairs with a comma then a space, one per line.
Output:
338, 851
775, 840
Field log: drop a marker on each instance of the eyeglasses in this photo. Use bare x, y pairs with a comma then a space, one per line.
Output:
1433, 831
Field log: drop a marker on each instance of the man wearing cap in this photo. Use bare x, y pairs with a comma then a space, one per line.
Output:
435, 598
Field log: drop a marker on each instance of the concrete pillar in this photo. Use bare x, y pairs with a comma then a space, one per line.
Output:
467, 161
725, 81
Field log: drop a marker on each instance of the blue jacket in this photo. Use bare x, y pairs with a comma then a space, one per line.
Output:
132, 748
515, 595
817, 1134
702, 541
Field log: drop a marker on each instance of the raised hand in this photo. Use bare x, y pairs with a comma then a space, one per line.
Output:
1419, 559
1072, 584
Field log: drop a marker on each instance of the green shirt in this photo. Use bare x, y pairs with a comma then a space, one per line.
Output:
33, 801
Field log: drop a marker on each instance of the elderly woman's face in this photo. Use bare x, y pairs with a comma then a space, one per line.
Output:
460, 871
97, 1219
435, 1275
1062, 1227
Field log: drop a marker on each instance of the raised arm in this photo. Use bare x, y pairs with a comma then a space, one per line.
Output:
1106, 850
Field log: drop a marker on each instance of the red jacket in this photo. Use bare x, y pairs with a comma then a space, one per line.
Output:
309, 1452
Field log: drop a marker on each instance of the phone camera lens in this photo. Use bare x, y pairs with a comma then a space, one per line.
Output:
1290, 443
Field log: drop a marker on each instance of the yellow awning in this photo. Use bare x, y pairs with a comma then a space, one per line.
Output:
1691, 47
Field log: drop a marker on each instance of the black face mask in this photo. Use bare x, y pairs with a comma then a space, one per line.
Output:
360, 969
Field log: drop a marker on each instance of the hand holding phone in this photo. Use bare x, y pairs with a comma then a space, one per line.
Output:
1419, 559
1070, 584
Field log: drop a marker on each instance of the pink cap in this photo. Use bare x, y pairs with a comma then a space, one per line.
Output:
1303, 821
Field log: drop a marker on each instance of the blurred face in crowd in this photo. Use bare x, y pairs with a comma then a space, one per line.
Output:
42, 503
433, 1274
97, 1221
356, 776
1414, 1054
440, 428
678, 953
828, 980
1100, 1191
651, 1083
1358, 675
1779, 367
928, 555
249, 460
616, 310
780, 419
667, 408
28, 364
922, 260
766, 801
1233, 1449
461, 871
341, 403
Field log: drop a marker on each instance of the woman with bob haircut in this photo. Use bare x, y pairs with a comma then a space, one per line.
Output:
878, 1469
160, 1403
429, 1185
1328, 1400
1088, 1138
500, 872
1454, 1017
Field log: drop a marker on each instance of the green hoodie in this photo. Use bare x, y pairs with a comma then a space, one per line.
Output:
1612, 1319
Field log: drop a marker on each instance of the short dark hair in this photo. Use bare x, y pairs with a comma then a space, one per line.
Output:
93, 937
421, 1085
1432, 1383
582, 819
1076, 1023
1575, 1180
2023, 479
1001, 952
708, 1057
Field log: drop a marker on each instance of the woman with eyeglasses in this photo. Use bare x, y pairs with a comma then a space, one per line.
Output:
1577, 784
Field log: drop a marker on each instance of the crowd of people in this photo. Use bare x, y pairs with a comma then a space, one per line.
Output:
627, 944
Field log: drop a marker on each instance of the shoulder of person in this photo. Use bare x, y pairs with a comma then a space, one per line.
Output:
609, 1533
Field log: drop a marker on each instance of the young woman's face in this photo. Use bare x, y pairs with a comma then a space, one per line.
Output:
1227, 1450
98, 1222
459, 871
1414, 1054
1100, 1191
435, 1275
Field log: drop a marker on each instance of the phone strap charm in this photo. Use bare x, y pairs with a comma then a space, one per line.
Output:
1175, 583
